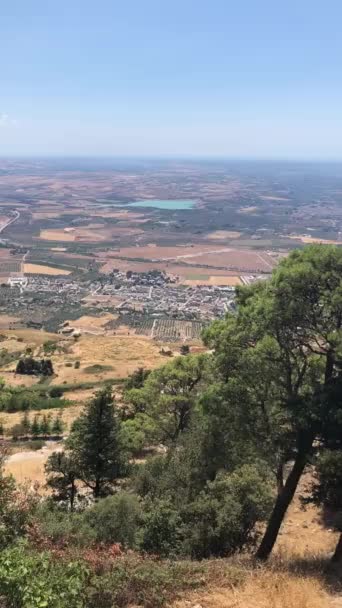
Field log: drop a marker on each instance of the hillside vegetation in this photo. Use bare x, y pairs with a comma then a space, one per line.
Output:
180, 492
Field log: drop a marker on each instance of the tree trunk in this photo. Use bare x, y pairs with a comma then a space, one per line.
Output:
283, 501
97, 488
337, 557
280, 477
73, 491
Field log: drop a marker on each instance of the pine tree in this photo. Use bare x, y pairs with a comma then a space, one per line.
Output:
25, 423
95, 446
57, 426
35, 427
45, 426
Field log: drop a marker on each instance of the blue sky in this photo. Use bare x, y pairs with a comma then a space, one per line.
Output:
242, 78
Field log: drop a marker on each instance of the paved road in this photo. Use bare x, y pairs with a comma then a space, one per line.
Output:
10, 221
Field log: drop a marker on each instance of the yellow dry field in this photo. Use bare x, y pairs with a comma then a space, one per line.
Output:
99, 298
121, 355
93, 233
107, 356
28, 468
79, 396
223, 234
215, 281
45, 215
12, 379
312, 239
56, 235
27, 337
39, 269
89, 323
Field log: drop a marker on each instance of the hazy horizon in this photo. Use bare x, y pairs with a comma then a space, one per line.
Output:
254, 81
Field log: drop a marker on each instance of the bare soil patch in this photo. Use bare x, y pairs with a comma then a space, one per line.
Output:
6, 320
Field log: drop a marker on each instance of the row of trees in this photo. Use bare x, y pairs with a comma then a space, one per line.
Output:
38, 426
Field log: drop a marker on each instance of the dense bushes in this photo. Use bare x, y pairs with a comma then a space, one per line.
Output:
115, 519
35, 580
34, 367
95, 579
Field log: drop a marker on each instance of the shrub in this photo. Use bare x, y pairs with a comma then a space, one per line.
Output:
115, 519
17, 430
49, 347
161, 533
56, 391
77, 364
223, 518
35, 444
97, 368
62, 527
134, 580
184, 349
15, 508
35, 580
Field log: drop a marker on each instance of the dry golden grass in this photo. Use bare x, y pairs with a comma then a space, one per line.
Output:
265, 589
120, 354
295, 577
12, 379
215, 280
29, 337
40, 269
29, 470
313, 239
88, 322
56, 235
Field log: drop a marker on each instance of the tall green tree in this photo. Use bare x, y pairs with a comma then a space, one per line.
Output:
95, 445
169, 394
281, 353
